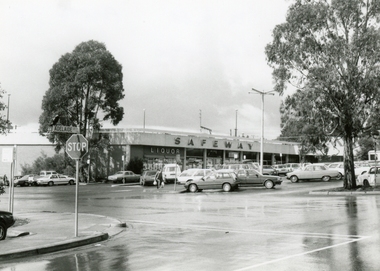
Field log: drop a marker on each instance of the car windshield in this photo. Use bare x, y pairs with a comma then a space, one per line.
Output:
120, 172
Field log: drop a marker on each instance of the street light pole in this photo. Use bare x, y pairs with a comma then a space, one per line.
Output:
144, 121
9, 95
262, 93
236, 124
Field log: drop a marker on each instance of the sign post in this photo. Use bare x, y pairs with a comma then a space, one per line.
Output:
76, 148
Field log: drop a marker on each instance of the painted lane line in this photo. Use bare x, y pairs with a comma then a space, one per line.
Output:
299, 254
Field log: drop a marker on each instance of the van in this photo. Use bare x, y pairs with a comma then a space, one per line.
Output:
170, 172
47, 172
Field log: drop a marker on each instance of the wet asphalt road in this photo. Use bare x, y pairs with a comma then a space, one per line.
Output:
250, 229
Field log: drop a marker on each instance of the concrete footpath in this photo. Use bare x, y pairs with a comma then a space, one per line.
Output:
47, 232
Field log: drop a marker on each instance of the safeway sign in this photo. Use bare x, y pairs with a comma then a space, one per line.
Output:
76, 146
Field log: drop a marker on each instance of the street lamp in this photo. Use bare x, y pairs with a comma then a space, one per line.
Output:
262, 93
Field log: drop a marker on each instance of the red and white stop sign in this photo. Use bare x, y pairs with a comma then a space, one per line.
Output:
76, 146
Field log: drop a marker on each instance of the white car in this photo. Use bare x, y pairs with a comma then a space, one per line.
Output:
192, 174
170, 172
368, 178
313, 171
55, 179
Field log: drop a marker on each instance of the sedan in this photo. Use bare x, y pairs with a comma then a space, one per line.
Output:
124, 177
371, 177
55, 179
251, 177
313, 172
148, 177
192, 174
23, 181
225, 180
6, 221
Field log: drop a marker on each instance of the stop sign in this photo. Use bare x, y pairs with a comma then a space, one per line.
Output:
76, 146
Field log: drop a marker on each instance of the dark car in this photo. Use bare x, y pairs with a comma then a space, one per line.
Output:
124, 177
148, 177
251, 177
221, 179
6, 221
23, 181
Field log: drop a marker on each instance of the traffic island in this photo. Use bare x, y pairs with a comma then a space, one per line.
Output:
360, 190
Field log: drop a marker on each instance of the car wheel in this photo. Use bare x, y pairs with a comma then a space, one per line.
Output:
366, 183
3, 231
269, 184
50, 183
294, 179
193, 188
326, 178
26, 184
340, 176
71, 182
226, 187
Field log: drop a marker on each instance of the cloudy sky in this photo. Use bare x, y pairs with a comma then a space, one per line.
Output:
179, 58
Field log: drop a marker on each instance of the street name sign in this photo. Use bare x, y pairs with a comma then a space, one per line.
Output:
64, 129
76, 146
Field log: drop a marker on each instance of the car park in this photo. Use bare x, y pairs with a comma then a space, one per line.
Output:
251, 177
313, 172
225, 180
148, 177
6, 221
192, 174
124, 177
369, 178
55, 179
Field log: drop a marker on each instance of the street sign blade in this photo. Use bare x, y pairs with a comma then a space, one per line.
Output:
64, 129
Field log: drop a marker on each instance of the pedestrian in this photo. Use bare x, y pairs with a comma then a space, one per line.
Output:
159, 180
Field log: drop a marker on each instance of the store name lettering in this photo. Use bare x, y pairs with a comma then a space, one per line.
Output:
164, 150
215, 143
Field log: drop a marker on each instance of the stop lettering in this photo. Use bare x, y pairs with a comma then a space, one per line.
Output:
76, 146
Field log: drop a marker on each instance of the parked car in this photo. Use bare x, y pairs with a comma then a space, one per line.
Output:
23, 181
293, 166
33, 179
240, 166
225, 180
55, 179
192, 174
6, 221
251, 177
281, 169
368, 178
339, 166
312, 172
124, 177
47, 172
170, 172
269, 170
147, 177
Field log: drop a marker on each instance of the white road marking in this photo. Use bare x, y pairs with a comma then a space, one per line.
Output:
346, 238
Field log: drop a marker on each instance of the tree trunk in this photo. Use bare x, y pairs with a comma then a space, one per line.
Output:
349, 170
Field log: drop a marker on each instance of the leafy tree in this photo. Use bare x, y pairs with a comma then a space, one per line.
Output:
300, 124
3, 119
136, 165
330, 51
84, 85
